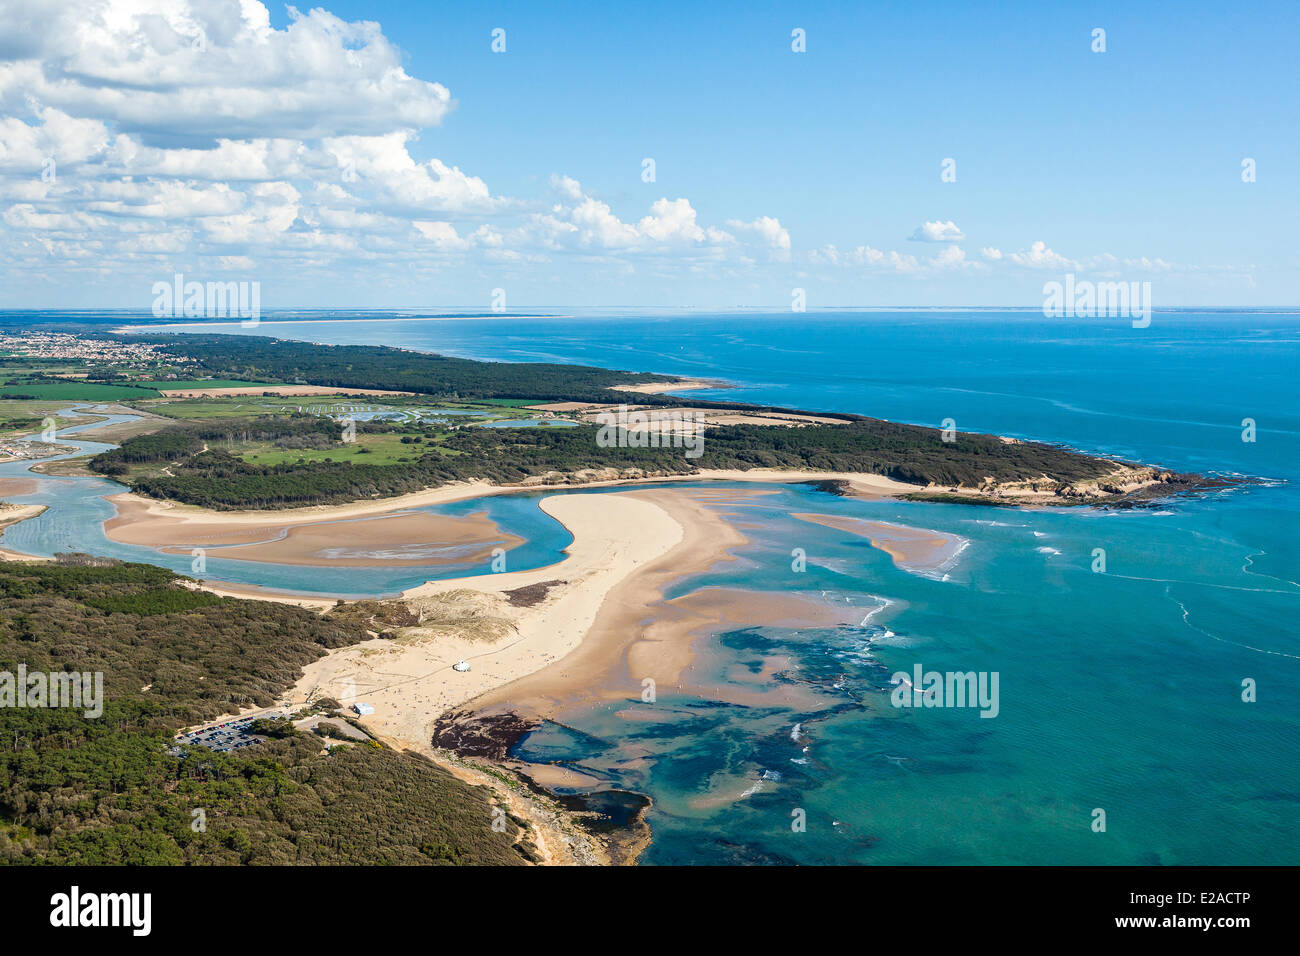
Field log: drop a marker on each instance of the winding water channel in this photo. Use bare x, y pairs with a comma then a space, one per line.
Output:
77, 507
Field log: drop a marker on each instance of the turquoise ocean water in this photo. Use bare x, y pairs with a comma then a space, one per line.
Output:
1119, 691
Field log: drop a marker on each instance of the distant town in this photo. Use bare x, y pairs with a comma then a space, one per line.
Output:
65, 346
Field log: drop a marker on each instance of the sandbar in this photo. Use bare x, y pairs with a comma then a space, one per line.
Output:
913, 549
405, 539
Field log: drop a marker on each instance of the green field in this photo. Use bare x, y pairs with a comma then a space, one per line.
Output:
244, 406
22, 419
369, 449
78, 392
205, 408
10, 372
206, 383
511, 402
25, 409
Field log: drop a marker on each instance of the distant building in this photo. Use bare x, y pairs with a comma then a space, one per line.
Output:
363, 709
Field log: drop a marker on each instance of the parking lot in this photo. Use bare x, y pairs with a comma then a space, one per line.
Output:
228, 735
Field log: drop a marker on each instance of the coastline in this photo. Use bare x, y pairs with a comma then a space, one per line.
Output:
1139, 483
156, 522
410, 682
572, 642
639, 633
138, 329
640, 639
613, 535
598, 626
145, 509
589, 629
144, 520
677, 385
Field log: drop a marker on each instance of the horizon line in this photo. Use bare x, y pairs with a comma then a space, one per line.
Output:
524, 312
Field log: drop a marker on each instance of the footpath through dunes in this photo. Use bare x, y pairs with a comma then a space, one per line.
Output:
505, 625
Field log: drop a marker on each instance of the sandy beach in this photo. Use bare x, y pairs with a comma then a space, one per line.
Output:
505, 626
628, 548
11, 514
639, 644
594, 624
288, 534
639, 636
410, 539
249, 592
409, 682
678, 385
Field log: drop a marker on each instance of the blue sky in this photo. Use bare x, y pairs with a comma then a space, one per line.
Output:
522, 170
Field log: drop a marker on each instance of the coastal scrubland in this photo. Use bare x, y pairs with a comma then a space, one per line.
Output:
293, 461
114, 790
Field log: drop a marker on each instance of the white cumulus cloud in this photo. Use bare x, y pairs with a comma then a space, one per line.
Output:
937, 231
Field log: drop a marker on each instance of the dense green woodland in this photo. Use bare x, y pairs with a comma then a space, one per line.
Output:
176, 443
106, 790
217, 479
259, 359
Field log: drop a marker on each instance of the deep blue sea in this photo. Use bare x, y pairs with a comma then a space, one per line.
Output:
1120, 691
